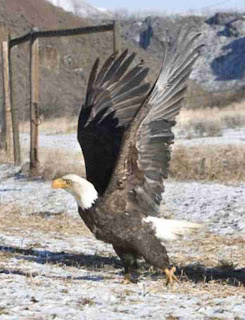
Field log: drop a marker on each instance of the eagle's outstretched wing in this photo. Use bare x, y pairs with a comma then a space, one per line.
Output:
114, 95
143, 163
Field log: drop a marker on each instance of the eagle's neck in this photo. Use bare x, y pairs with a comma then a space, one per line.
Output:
86, 202
85, 193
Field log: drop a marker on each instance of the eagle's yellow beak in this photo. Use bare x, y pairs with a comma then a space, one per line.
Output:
60, 183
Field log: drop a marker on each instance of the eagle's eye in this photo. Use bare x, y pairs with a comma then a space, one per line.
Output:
68, 182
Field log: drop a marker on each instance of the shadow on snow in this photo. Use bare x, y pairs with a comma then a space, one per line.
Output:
192, 272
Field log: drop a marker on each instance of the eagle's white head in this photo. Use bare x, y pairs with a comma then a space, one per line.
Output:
82, 190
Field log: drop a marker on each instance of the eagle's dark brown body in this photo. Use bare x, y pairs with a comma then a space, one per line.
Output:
129, 235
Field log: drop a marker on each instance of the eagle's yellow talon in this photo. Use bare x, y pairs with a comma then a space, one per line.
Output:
170, 276
128, 279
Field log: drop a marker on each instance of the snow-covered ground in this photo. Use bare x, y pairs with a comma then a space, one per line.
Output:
228, 136
68, 142
220, 207
60, 275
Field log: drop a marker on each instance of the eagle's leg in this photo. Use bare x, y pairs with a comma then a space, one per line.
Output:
129, 261
170, 276
155, 254
129, 279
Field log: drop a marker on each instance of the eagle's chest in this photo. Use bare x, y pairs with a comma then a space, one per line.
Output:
111, 228
99, 223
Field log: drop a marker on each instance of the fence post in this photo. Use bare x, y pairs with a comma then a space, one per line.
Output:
34, 105
116, 36
7, 101
2, 114
15, 123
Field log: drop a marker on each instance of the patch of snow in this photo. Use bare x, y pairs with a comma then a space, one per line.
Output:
32, 196
49, 276
79, 7
220, 207
69, 141
229, 136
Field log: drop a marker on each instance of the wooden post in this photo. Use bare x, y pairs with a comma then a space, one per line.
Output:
2, 122
15, 123
116, 36
7, 102
34, 107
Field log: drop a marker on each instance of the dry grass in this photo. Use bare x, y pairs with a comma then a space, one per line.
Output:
226, 265
211, 250
56, 163
12, 220
221, 163
197, 97
198, 122
53, 126
3, 157
215, 289
210, 121
224, 253
193, 276
208, 162
3, 311
203, 162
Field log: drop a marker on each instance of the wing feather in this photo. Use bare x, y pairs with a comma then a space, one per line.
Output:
109, 108
146, 151
154, 136
104, 68
114, 68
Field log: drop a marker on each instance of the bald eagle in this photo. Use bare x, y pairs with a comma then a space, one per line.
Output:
124, 130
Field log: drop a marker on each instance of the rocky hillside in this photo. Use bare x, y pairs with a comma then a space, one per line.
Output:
222, 64
64, 62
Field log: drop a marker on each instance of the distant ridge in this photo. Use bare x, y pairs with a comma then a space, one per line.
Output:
81, 8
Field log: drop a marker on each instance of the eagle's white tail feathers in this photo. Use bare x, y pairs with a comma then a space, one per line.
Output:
169, 230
